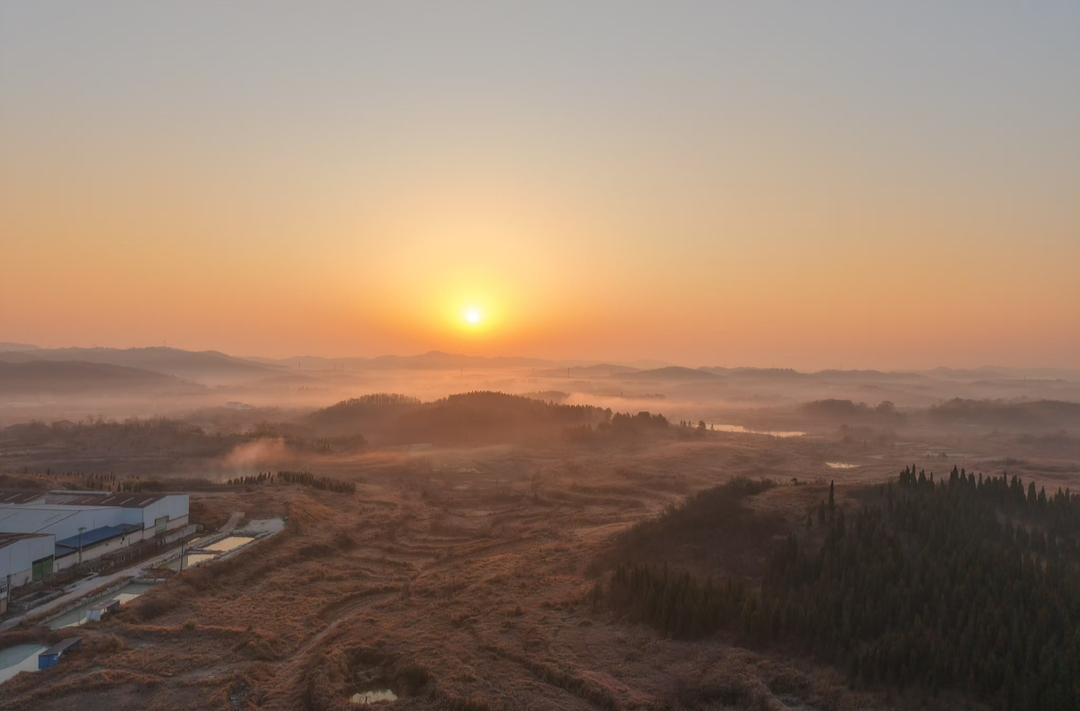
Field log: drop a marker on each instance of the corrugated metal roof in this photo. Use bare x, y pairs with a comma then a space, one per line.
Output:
122, 499
18, 518
9, 538
62, 646
20, 497
94, 535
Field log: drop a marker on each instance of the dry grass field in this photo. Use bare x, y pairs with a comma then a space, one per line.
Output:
458, 579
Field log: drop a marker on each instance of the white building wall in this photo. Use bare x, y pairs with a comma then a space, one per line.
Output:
59, 520
104, 548
64, 521
175, 506
17, 558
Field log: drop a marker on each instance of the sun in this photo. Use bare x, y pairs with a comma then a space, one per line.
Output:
473, 315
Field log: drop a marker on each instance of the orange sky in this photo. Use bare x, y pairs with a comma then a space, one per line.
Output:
348, 183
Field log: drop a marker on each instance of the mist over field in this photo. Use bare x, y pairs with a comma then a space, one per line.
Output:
602, 356
463, 532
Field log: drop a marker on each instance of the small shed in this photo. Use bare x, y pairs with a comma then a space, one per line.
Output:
95, 613
51, 656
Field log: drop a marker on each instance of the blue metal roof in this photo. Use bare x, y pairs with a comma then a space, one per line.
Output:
94, 535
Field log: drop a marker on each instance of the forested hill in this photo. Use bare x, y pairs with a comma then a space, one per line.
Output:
42, 378
366, 414
489, 417
465, 419
1051, 413
968, 583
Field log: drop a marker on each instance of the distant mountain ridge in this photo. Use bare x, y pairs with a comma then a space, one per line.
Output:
671, 373
598, 370
432, 360
68, 377
998, 412
159, 359
757, 373
440, 359
196, 364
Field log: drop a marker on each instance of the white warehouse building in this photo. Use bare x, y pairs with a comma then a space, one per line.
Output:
24, 557
83, 525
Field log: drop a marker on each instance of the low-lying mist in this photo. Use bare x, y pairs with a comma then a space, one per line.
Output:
170, 411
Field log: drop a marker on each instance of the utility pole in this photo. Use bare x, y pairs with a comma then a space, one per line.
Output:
182, 544
81, 529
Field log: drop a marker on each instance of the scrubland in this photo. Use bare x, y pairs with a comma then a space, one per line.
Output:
464, 579
466, 558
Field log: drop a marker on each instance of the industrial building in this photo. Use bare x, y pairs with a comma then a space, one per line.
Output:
24, 557
75, 526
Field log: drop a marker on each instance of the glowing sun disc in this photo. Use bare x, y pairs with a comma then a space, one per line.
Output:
473, 315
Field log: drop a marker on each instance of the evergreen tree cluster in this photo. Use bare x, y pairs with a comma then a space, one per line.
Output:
700, 426
323, 483
251, 480
100, 481
379, 400
970, 583
93, 481
676, 603
625, 422
620, 425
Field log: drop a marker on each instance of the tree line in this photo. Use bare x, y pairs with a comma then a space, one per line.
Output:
302, 478
619, 425
967, 582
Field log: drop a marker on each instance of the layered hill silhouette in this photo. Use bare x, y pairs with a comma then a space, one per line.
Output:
214, 369
160, 359
76, 377
672, 373
432, 360
997, 412
599, 370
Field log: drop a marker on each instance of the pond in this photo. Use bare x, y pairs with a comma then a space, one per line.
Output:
76, 617
840, 465
366, 698
190, 560
228, 544
20, 658
742, 430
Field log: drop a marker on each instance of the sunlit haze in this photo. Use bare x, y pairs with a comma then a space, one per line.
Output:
704, 183
480, 354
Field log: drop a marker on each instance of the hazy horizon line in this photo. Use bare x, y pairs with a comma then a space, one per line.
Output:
571, 362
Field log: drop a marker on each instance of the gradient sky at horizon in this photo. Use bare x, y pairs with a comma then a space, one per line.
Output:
880, 185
